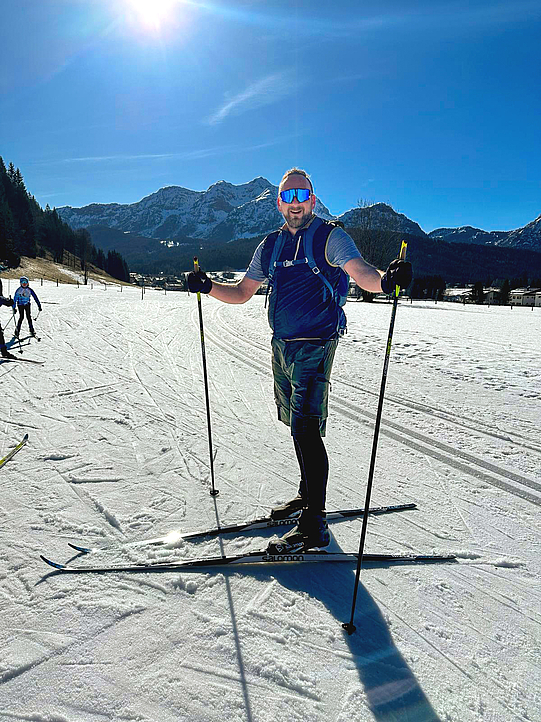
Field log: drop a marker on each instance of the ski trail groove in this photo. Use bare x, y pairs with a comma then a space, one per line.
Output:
448, 416
438, 450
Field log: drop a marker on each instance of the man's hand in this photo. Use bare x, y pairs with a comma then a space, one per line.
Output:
399, 273
199, 282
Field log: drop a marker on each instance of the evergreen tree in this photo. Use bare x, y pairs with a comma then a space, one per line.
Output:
28, 230
430, 287
477, 292
504, 292
117, 267
100, 260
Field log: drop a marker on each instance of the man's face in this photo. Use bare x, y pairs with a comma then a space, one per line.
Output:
296, 214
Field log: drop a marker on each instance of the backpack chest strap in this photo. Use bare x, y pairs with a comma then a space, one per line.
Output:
288, 264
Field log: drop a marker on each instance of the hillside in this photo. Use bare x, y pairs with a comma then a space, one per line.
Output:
43, 268
454, 262
459, 263
28, 230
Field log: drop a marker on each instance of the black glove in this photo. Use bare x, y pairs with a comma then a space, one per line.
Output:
199, 282
399, 273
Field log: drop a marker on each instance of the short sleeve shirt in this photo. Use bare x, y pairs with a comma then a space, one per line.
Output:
340, 249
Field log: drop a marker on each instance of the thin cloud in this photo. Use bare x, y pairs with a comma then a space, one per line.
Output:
186, 155
266, 91
102, 158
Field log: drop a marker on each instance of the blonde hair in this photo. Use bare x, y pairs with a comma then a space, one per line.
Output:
296, 171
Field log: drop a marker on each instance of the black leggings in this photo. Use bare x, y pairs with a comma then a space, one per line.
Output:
314, 466
25, 310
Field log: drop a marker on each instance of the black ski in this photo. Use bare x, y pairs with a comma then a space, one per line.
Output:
264, 522
28, 360
258, 557
12, 453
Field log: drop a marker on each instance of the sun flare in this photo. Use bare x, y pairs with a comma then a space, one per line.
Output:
152, 14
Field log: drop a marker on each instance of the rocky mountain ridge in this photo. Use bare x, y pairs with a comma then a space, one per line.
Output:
528, 237
226, 212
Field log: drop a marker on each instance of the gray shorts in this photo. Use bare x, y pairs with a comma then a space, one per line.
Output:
302, 372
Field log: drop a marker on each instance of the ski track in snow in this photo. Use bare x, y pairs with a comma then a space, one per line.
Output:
118, 451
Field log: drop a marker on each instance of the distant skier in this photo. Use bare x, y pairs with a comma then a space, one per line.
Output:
22, 300
3, 349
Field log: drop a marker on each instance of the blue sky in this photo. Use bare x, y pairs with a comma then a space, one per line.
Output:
433, 107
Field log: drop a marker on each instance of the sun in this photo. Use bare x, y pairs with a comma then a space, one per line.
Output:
152, 15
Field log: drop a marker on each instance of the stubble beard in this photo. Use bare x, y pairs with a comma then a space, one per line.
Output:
297, 221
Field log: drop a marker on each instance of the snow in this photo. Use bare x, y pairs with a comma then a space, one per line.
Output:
118, 451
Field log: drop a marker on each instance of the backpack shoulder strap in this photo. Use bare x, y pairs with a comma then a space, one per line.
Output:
278, 244
322, 228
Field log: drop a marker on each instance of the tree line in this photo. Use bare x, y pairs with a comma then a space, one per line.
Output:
28, 230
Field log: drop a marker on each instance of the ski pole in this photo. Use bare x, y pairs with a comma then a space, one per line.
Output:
213, 491
349, 626
17, 334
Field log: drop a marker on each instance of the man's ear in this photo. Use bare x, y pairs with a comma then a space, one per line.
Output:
313, 199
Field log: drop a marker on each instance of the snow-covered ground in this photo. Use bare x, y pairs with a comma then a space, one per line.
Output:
118, 451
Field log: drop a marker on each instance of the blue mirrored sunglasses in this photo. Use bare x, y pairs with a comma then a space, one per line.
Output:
302, 195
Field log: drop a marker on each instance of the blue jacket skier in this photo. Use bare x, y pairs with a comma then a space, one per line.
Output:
21, 300
304, 262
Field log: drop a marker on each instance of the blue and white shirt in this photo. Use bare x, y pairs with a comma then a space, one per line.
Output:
23, 296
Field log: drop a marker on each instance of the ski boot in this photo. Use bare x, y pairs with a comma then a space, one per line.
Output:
288, 510
6, 354
311, 531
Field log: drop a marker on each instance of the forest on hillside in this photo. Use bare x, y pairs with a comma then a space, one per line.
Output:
26, 229
436, 263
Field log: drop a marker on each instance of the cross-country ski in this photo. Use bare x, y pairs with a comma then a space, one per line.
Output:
266, 522
21, 358
256, 557
16, 449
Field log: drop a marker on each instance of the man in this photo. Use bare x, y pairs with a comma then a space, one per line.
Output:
307, 320
3, 348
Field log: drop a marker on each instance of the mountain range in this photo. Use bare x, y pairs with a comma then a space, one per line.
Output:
223, 213
226, 212
222, 226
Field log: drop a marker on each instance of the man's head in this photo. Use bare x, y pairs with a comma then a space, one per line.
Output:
296, 211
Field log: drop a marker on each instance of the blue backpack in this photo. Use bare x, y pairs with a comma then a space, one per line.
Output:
340, 292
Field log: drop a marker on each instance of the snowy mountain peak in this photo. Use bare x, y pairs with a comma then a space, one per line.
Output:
226, 212
223, 212
527, 237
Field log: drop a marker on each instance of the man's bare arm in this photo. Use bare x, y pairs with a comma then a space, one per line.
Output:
364, 275
235, 292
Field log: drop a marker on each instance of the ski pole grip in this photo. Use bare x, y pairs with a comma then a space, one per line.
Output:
401, 256
195, 264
